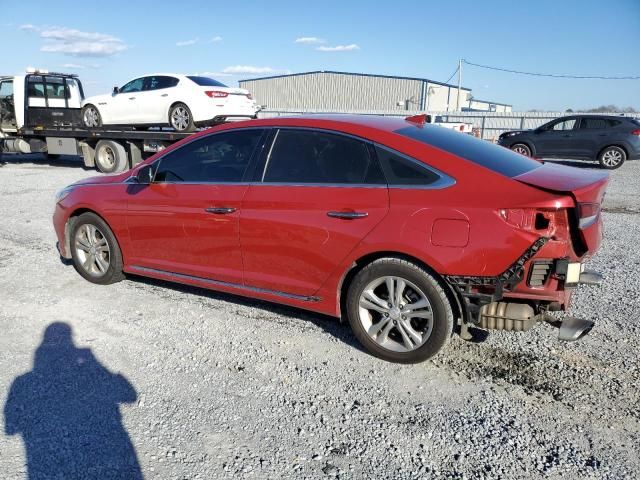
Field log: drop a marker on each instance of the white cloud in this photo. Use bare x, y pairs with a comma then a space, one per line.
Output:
186, 43
310, 40
216, 39
251, 70
338, 48
79, 66
69, 41
213, 74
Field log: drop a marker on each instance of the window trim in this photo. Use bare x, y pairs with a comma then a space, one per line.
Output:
443, 181
248, 173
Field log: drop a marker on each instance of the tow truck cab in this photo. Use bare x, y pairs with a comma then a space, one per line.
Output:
40, 99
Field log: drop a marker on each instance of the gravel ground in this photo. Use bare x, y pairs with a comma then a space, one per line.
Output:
163, 381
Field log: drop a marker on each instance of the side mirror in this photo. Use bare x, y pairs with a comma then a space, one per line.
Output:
144, 176
116, 91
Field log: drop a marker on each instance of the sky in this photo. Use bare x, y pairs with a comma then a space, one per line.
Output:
110, 42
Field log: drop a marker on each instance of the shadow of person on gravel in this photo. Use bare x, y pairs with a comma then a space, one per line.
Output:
66, 410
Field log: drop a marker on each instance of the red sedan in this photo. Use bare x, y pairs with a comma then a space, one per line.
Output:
410, 231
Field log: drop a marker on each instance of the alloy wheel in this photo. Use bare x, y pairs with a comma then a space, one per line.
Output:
611, 158
522, 150
395, 313
180, 118
91, 117
92, 250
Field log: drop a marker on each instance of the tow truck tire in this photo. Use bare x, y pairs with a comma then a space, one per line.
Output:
91, 117
110, 157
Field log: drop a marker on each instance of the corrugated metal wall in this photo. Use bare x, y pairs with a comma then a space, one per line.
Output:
338, 92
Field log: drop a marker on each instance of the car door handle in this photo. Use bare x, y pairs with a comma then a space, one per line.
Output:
220, 210
132, 98
164, 95
348, 215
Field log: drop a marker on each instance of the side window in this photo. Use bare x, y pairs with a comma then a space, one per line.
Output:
564, 125
133, 86
400, 170
160, 82
221, 157
306, 156
35, 87
593, 123
6, 89
56, 88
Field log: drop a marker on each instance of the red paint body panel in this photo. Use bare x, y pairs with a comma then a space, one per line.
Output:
280, 239
290, 244
170, 229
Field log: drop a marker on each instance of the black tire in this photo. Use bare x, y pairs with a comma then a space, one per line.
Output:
80, 244
612, 157
522, 149
110, 157
91, 120
181, 118
440, 307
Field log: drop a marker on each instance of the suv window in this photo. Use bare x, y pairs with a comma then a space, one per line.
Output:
307, 156
595, 123
564, 125
220, 157
133, 86
160, 82
399, 170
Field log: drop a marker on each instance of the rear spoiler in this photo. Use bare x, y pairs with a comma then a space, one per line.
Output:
419, 119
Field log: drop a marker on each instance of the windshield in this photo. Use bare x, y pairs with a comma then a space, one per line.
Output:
480, 152
206, 82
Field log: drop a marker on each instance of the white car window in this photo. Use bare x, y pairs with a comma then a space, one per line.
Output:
160, 82
133, 86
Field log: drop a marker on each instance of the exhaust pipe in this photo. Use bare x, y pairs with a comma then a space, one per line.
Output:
572, 329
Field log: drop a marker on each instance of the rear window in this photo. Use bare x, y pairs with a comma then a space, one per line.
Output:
499, 159
206, 82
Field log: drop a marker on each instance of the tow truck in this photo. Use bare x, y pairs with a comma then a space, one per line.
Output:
40, 112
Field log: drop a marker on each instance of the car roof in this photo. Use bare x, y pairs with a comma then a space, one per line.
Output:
595, 115
337, 121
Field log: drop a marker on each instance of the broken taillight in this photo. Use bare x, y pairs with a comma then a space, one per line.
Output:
588, 214
545, 222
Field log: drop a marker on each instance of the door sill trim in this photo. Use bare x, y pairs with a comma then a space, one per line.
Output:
292, 296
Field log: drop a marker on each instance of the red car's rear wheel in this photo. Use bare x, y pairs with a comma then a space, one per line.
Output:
399, 311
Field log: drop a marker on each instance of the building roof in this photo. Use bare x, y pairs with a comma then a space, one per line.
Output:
357, 75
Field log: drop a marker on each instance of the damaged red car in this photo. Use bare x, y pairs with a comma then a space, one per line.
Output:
407, 230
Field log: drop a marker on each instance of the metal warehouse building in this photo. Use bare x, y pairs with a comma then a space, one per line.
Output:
356, 92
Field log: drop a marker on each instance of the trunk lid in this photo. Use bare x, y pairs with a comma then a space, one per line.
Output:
587, 187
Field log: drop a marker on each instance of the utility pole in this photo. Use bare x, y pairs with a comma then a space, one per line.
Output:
459, 84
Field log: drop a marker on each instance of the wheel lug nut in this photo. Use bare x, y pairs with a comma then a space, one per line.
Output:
403, 317
395, 322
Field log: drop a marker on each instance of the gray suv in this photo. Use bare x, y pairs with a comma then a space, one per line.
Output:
608, 139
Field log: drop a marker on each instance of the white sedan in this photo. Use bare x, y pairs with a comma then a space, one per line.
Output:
183, 102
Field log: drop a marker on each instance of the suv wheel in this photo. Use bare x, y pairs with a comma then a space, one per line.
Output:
522, 149
612, 158
399, 311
